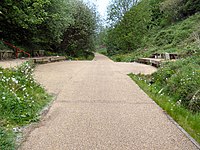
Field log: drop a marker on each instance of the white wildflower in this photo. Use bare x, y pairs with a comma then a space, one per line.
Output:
15, 80
160, 91
17, 129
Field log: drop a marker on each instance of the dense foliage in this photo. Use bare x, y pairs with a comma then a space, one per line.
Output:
44, 24
80, 36
139, 25
117, 9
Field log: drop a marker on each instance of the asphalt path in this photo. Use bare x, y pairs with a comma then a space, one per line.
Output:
99, 107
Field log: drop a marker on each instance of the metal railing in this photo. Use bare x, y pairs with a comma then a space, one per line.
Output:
17, 50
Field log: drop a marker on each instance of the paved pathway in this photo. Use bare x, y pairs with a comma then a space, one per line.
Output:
99, 107
12, 63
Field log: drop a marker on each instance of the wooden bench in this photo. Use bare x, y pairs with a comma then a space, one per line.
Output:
167, 56
170, 56
57, 58
151, 61
41, 60
6, 54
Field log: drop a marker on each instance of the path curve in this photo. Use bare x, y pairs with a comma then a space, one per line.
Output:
99, 107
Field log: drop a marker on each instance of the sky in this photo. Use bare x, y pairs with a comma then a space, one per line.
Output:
101, 5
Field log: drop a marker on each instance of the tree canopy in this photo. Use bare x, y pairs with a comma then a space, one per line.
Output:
48, 24
132, 27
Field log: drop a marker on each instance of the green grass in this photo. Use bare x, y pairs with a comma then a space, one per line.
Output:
189, 120
6, 139
21, 100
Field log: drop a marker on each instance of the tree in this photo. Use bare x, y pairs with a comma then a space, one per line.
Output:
175, 10
79, 37
117, 9
19, 18
59, 18
49, 24
127, 34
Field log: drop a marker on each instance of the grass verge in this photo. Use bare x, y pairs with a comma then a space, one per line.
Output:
185, 118
21, 100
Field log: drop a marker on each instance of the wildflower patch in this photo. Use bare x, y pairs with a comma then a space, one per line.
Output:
21, 98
